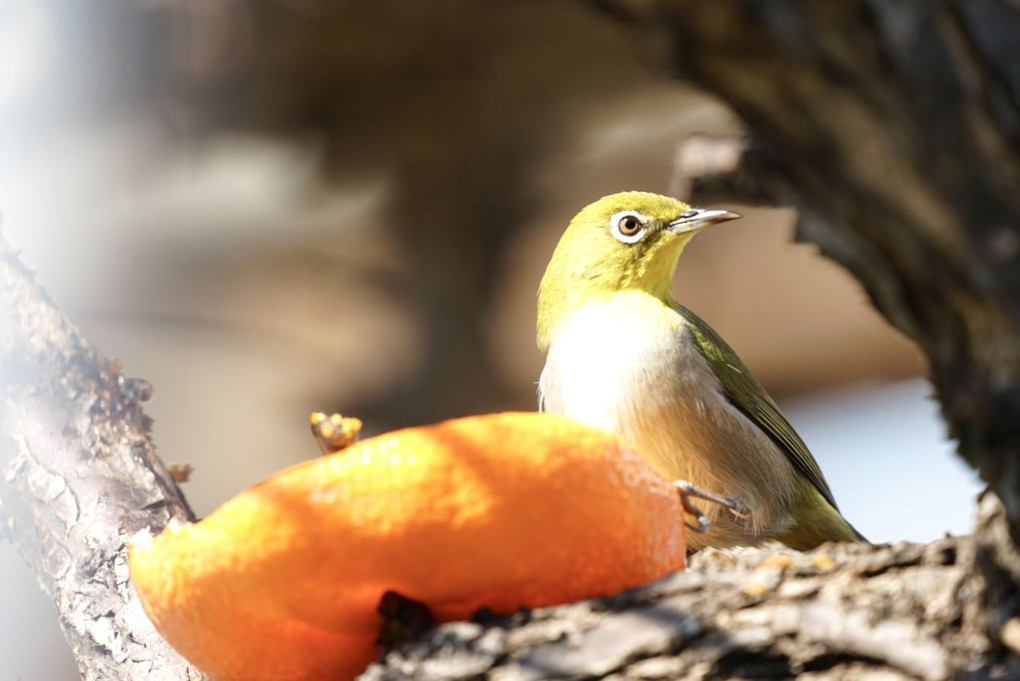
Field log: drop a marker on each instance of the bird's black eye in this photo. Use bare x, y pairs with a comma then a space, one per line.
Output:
628, 225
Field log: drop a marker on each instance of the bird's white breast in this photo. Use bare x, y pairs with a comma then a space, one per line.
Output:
630, 365
612, 357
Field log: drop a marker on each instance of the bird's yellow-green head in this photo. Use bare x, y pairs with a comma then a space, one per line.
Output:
630, 240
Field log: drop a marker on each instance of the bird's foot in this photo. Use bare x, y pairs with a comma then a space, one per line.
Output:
702, 523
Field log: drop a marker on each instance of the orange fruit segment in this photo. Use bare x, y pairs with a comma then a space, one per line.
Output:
503, 511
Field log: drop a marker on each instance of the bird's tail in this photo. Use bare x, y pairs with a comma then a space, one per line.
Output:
817, 523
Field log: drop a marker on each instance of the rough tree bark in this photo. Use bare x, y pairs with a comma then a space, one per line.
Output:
79, 475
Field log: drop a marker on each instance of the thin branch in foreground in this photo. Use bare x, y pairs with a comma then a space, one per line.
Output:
79, 475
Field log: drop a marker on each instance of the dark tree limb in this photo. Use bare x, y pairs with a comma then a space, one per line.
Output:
895, 129
78, 475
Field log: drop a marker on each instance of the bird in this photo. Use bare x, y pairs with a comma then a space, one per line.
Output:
624, 356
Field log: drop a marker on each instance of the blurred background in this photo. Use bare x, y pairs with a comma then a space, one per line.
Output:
272, 207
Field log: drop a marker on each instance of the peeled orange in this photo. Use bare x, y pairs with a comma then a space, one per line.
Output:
503, 511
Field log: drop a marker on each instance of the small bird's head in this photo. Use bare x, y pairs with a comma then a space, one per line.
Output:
630, 240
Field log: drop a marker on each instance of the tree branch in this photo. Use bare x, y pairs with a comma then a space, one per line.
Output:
79, 475
849, 611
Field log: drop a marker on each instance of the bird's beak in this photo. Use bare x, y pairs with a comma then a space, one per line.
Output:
696, 219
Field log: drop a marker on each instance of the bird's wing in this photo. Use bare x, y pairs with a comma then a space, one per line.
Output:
746, 394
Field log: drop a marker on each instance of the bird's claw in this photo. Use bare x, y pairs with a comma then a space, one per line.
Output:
689, 491
702, 522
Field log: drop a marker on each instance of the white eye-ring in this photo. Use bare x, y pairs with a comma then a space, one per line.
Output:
628, 226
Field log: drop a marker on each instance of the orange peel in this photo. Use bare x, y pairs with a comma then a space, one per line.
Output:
502, 511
